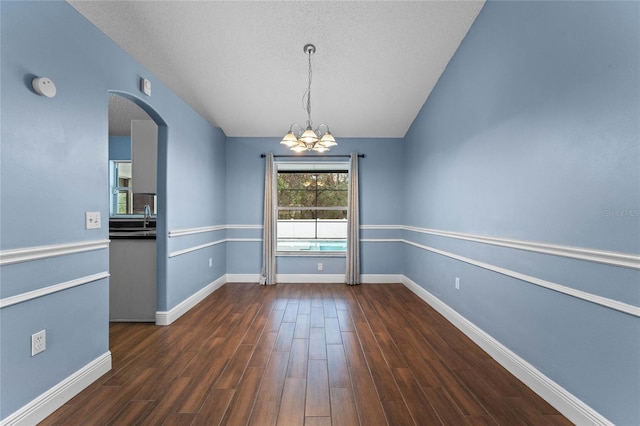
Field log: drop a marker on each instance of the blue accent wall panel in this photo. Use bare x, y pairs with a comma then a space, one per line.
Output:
532, 134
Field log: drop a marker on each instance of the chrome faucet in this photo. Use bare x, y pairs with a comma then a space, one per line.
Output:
147, 215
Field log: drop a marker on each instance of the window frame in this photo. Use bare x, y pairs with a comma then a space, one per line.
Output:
311, 168
115, 188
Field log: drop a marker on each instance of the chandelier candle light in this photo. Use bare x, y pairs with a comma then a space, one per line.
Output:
309, 139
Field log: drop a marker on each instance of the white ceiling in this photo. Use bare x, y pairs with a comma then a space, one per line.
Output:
241, 64
121, 112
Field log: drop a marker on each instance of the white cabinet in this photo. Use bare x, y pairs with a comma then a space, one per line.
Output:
144, 156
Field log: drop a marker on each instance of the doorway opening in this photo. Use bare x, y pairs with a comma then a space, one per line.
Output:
137, 136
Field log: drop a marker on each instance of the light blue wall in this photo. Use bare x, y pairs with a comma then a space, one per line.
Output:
54, 168
381, 202
196, 182
119, 147
532, 134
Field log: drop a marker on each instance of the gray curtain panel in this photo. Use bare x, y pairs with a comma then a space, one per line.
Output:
268, 275
352, 276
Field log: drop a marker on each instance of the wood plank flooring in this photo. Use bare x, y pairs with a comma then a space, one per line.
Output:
304, 354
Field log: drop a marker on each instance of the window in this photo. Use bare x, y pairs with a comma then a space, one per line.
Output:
312, 207
123, 200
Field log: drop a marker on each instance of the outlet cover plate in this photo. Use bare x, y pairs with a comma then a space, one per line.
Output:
38, 342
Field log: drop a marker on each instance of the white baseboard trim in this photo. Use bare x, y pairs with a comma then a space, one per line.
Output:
309, 278
168, 317
316, 278
561, 399
41, 407
337, 278
381, 278
243, 278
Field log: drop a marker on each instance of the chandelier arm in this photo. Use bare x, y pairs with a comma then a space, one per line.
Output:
320, 126
301, 129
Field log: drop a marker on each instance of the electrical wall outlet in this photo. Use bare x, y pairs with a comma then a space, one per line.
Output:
457, 283
210, 262
92, 220
319, 266
38, 342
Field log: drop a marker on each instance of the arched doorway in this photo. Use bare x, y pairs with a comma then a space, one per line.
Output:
137, 219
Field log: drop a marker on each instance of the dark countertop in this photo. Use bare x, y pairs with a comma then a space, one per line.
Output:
131, 229
149, 234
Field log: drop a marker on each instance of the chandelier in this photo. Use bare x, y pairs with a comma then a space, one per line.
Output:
299, 139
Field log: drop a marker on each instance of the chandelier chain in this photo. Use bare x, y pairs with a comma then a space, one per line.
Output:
306, 98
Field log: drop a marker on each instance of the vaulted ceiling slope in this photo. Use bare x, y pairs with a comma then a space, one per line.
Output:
241, 64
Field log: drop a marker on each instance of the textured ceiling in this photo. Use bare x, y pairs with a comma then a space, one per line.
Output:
241, 64
121, 112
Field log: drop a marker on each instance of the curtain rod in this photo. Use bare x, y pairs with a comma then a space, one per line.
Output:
315, 156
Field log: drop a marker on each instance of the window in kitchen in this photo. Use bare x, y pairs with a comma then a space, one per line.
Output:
123, 201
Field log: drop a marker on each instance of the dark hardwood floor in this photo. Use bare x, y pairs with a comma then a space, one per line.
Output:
304, 354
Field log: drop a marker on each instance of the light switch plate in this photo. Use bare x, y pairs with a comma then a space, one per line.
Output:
92, 220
